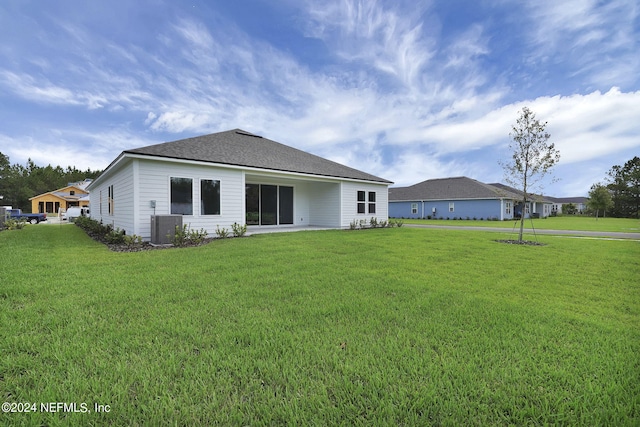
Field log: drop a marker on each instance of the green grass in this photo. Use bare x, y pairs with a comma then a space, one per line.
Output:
581, 223
376, 327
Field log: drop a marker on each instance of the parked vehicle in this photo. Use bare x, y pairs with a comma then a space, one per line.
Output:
33, 218
75, 212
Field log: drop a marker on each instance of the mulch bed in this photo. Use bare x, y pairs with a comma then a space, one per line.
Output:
144, 246
524, 242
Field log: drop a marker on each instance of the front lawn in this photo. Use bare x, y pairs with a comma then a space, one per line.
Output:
395, 326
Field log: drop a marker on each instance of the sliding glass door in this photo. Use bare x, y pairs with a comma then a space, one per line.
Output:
286, 205
252, 196
268, 204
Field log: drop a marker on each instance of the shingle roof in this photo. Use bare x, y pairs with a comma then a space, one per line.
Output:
241, 148
457, 188
582, 200
535, 197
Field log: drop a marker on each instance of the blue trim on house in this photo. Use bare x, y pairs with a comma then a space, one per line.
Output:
483, 208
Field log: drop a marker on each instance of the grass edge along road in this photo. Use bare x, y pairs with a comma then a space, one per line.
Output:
387, 326
571, 223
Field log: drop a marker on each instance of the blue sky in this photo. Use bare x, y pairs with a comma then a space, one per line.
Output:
406, 90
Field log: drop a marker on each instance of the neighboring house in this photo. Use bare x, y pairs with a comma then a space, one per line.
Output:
579, 202
538, 205
74, 194
232, 177
448, 198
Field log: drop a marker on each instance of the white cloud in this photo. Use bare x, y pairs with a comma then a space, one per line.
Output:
27, 87
594, 40
388, 38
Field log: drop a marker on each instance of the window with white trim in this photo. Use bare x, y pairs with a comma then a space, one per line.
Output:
414, 208
451, 207
110, 200
361, 202
181, 196
209, 197
372, 202
507, 208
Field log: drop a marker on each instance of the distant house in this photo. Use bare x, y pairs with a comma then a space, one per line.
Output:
74, 194
232, 177
538, 206
579, 202
448, 198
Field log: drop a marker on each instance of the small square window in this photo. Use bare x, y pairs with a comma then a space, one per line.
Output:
372, 202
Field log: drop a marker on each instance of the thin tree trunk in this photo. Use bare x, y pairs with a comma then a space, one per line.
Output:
521, 226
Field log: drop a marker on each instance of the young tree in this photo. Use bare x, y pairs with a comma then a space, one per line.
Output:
532, 157
599, 199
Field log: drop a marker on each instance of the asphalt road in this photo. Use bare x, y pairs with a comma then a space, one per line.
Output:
599, 234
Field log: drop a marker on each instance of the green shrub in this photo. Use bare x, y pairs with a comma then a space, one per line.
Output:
15, 224
180, 236
222, 233
197, 236
133, 240
239, 230
185, 236
115, 237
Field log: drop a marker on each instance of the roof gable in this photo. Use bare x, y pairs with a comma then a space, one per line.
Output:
457, 188
65, 193
240, 148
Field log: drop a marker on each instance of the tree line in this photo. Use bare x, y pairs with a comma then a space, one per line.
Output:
18, 182
619, 196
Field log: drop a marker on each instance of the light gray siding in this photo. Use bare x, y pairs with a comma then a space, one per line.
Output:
154, 183
324, 204
350, 202
123, 201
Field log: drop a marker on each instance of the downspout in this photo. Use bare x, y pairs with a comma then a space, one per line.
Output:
136, 197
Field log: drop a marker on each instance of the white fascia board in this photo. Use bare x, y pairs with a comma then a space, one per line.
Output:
249, 169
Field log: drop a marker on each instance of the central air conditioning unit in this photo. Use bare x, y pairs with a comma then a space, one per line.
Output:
163, 228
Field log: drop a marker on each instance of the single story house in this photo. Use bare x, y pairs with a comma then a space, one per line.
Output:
538, 206
56, 201
232, 177
579, 202
448, 198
